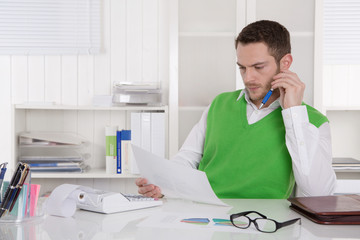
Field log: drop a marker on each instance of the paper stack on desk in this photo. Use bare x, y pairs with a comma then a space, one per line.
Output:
52, 151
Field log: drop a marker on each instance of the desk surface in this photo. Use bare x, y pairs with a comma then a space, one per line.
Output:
88, 225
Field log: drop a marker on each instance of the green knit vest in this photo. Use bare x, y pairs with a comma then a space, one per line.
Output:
248, 161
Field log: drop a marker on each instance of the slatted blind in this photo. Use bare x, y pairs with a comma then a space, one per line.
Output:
341, 31
50, 26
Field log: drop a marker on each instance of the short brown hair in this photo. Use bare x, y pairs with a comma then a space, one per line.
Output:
273, 34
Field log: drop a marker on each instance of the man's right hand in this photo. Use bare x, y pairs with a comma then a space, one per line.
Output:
148, 190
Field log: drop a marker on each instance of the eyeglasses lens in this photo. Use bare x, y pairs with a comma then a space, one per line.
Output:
266, 225
241, 222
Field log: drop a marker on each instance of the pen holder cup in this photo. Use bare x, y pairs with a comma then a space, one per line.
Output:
22, 206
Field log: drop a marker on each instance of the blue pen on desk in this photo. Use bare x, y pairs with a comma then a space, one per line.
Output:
2, 172
266, 98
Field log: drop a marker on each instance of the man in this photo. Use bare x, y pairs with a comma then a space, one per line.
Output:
249, 152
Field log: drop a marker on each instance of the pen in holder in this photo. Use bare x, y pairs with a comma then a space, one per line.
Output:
19, 196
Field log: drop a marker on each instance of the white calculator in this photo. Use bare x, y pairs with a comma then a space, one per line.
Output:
112, 202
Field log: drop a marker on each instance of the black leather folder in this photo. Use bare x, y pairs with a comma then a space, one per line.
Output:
338, 209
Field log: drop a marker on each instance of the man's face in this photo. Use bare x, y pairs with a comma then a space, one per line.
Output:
257, 68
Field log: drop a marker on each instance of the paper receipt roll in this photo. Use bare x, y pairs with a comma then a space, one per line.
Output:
62, 201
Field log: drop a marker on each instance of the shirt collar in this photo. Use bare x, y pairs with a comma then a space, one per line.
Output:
274, 104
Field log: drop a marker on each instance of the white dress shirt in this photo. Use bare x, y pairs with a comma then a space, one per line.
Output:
309, 147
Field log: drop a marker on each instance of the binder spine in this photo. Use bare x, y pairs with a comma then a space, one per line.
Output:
110, 133
118, 152
125, 150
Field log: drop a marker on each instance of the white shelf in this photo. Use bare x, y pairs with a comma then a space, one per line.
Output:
346, 170
302, 34
234, 34
208, 34
192, 108
92, 173
342, 108
96, 108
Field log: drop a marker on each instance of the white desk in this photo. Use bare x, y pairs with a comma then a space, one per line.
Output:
88, 225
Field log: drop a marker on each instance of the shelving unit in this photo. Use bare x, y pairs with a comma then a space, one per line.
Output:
67, 118
139, 44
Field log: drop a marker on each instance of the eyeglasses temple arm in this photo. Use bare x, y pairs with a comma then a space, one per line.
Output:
287, 223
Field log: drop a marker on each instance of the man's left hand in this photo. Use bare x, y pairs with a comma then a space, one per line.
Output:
291, 88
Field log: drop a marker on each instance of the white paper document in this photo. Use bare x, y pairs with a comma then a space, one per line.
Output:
175, 180
62, 201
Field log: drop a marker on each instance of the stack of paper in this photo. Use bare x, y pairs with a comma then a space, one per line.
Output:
137, 93
52, 152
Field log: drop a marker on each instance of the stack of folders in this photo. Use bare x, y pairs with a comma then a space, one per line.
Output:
346, 164
53, 152
147, 131
18, 197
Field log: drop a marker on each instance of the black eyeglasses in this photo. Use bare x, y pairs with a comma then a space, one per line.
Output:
263, 224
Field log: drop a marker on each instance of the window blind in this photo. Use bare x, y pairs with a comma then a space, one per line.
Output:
341, 36
50, 26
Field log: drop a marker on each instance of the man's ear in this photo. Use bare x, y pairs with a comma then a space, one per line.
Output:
286, 62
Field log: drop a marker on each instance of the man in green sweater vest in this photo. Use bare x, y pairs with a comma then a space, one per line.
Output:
248, 152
